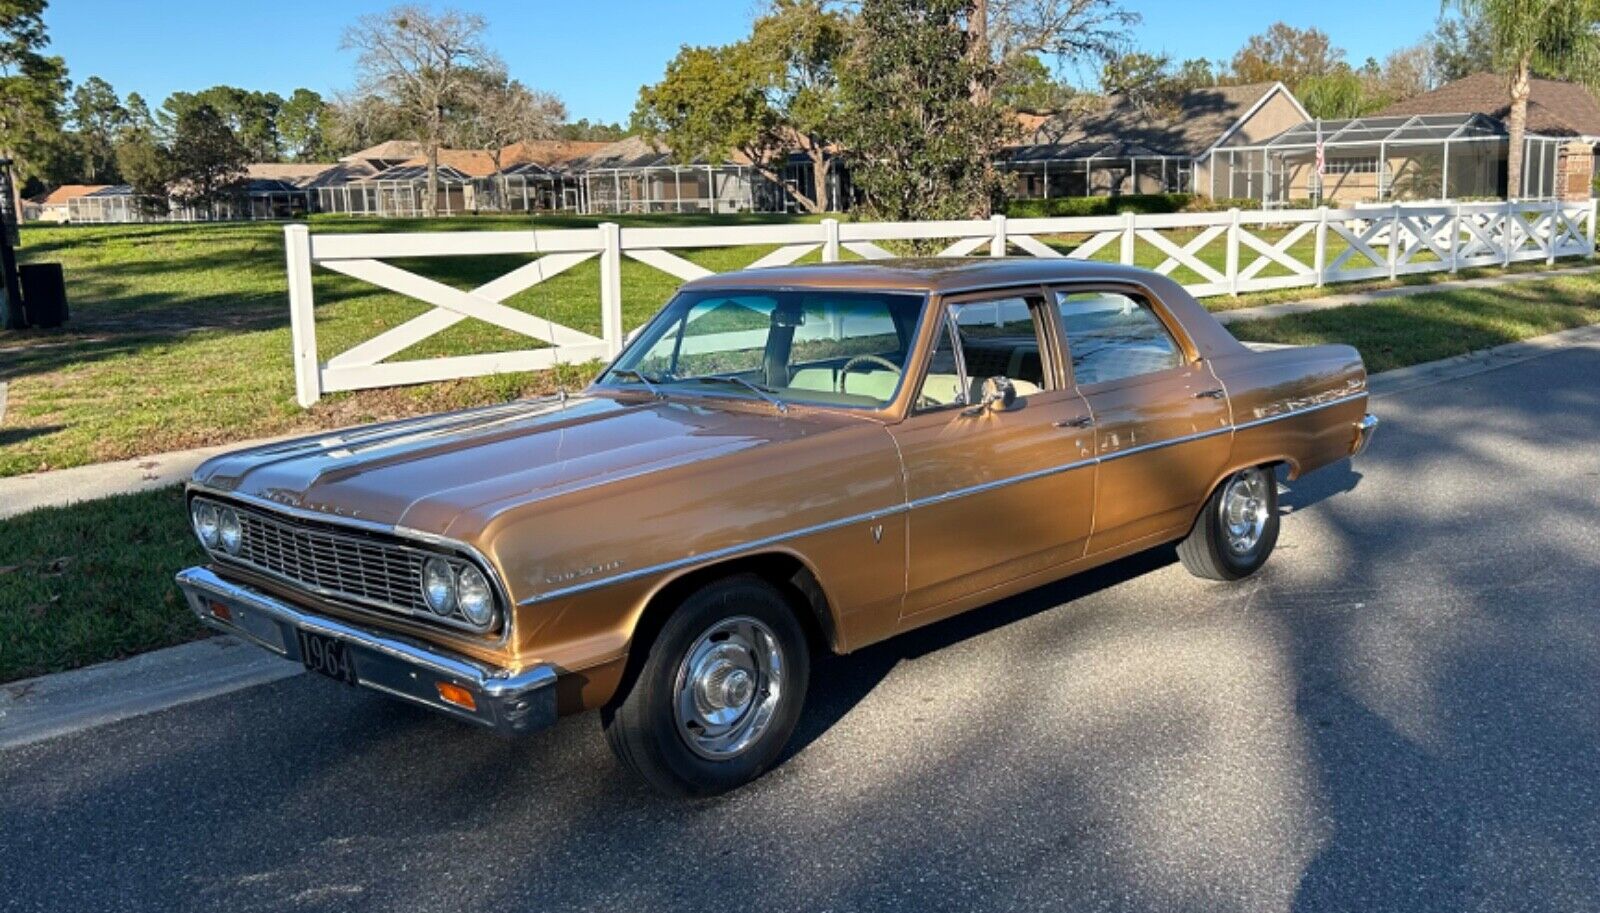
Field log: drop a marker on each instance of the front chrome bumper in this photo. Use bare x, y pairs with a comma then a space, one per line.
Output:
507, 702
1365, 429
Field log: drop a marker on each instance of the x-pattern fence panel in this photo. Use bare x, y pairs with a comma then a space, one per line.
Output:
1213, 253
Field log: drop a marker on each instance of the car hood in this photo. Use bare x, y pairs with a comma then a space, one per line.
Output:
423, 474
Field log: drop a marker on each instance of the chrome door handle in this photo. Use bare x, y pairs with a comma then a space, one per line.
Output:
1216, 393
1082, 421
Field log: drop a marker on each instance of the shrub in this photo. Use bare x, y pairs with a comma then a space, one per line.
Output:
1098, 206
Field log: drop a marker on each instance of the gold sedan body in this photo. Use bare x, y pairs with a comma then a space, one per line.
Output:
594, 514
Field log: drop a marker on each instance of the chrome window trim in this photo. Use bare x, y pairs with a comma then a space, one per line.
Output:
435, 545
895, 509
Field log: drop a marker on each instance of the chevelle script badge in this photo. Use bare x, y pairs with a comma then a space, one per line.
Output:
580, 573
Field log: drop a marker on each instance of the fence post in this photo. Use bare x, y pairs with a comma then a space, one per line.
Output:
1394, 240
997, 247
1320, 255
302, 316
830, 242
1550, 236
1594, 217
1507, 226
1455, 238
611, 287
1129, 225
1232, 264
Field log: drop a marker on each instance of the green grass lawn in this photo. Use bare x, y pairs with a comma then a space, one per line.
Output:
92, 582
179, 334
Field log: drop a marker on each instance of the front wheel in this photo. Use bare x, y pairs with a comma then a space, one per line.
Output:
1237, 528
719, 692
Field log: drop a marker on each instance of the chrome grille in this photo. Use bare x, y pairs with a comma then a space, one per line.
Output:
342, 566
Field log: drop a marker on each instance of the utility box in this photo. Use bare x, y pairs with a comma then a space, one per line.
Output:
44, 294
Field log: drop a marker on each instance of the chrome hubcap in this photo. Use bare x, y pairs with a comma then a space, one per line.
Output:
728, 687
1244, 510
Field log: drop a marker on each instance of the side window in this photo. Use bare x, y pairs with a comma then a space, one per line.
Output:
1113, 336
980, 340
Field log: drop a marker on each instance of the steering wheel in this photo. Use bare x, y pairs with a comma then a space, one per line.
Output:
864, 359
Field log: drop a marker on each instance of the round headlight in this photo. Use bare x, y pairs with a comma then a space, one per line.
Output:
205, 520
229, 531
474, 596
439, 586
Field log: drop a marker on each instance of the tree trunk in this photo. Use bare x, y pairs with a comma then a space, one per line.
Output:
980, 91
430, 203
1517, 127
819, 177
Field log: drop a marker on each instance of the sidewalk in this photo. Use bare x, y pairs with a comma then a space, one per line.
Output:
20, 494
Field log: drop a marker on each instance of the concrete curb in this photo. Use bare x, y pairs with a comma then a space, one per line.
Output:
52, 705
36, 709
1426, 374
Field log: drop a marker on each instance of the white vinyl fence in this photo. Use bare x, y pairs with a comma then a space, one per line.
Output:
1224, 253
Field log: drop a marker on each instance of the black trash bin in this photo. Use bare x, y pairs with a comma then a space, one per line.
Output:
44, 294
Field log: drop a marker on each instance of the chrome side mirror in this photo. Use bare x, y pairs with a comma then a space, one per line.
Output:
999, 395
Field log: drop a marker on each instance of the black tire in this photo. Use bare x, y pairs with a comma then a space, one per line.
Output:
642, 724
1207, 551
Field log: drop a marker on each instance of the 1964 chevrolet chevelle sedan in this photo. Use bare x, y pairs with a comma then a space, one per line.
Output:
781, 462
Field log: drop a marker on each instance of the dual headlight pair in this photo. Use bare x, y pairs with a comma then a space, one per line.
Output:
448, 586
217, 526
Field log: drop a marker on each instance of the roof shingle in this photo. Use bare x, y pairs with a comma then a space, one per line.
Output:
1555, 108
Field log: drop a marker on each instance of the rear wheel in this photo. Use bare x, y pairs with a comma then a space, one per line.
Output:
1237, 529
719, 692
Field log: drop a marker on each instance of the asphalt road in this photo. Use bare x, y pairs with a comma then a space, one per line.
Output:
1402, 712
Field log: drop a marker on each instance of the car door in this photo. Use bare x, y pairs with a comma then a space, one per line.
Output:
1162, 426
994, 495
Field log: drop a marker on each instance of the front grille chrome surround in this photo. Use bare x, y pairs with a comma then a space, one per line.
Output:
369, 571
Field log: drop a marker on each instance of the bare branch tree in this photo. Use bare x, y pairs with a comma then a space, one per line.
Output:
420, 62
501, 111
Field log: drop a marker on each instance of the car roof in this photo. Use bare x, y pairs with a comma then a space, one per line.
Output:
931, 274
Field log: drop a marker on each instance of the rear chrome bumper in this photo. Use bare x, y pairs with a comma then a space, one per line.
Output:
1365, 429
507, 702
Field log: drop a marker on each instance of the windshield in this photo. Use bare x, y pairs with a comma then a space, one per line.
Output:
819, 346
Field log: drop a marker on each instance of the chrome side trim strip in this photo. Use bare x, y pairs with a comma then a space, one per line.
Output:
714, 554
733, 550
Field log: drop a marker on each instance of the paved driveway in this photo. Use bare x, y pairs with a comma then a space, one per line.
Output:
1401, 713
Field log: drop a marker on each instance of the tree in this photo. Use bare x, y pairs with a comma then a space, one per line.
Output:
139, 116
502, 111
420, 63
920, 146
147, 167
208, 160
1461, 46
97, 116
1026, 84
251, 116
1560, 37
302, 126
1145, 81
1286, 54
584, 131
32, 90
775, 92
1339, 95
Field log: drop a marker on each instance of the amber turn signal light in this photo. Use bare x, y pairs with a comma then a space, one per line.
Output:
221, 611
451, 693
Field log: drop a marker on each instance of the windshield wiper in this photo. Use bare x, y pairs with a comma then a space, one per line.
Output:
763, 392
641, 378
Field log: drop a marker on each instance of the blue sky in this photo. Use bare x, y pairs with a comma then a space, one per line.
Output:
594, 55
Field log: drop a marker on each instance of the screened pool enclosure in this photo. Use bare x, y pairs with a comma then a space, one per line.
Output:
1383, 159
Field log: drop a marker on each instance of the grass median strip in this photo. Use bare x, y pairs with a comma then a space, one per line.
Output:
93, 581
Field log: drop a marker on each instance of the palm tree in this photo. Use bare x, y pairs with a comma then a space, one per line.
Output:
1559, 37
